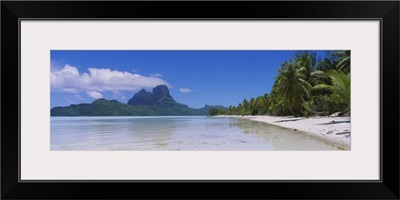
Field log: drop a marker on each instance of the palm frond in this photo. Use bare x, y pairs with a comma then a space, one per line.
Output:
323, 87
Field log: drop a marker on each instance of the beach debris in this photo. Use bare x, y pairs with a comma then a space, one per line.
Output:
289, 120
295, 129
342, 133
341, 148
240, 141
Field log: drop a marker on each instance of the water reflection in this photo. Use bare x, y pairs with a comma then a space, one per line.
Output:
280, 138
153, 133
175, 133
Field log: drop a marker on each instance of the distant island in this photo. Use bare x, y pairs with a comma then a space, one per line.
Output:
156, 103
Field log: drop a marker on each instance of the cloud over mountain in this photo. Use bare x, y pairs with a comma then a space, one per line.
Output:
94, 94
97, 80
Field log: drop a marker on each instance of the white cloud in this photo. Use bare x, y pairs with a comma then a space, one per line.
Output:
69, 79
94, 94
156, 75
118, 95
185, 90
70, 90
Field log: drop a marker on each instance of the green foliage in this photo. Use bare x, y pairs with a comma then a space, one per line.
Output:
218, 111
103, 107
305, 86
339, 89
291, 86
156, 103
343, 61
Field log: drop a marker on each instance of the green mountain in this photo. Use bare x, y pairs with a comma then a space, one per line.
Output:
101, 107
156, 103
206, 108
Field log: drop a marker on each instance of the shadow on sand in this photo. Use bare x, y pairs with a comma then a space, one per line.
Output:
287, 120
334, 122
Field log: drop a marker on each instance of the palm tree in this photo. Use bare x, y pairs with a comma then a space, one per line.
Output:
340, 87
291, 87
239, 109
229, 111
245, 107
329, 62
245, 104
259, 105
344, 61
307, 61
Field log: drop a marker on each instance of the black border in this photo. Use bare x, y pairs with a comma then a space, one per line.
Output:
386, 11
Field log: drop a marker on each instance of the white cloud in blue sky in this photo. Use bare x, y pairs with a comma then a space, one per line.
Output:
208, 74
118, 95
98, 80
185, 90
94, 94
156, 75
70, 90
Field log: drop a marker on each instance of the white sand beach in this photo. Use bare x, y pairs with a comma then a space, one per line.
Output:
332, 129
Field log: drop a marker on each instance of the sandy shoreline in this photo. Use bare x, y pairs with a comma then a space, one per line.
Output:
331, 129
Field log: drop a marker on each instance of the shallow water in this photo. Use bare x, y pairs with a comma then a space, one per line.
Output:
176, 133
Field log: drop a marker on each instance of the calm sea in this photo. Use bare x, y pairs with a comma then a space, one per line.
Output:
175, 133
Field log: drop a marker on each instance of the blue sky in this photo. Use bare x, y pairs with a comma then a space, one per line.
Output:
195, 78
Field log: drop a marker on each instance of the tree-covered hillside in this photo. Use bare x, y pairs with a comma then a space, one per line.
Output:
156, 103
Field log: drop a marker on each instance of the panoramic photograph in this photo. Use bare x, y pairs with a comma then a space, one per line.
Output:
200, 100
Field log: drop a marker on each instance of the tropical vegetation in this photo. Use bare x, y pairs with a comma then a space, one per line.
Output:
305, 85
156, 103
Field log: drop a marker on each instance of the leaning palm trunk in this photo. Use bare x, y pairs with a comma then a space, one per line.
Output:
308, 108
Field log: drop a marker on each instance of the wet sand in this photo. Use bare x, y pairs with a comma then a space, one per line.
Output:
335, 130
